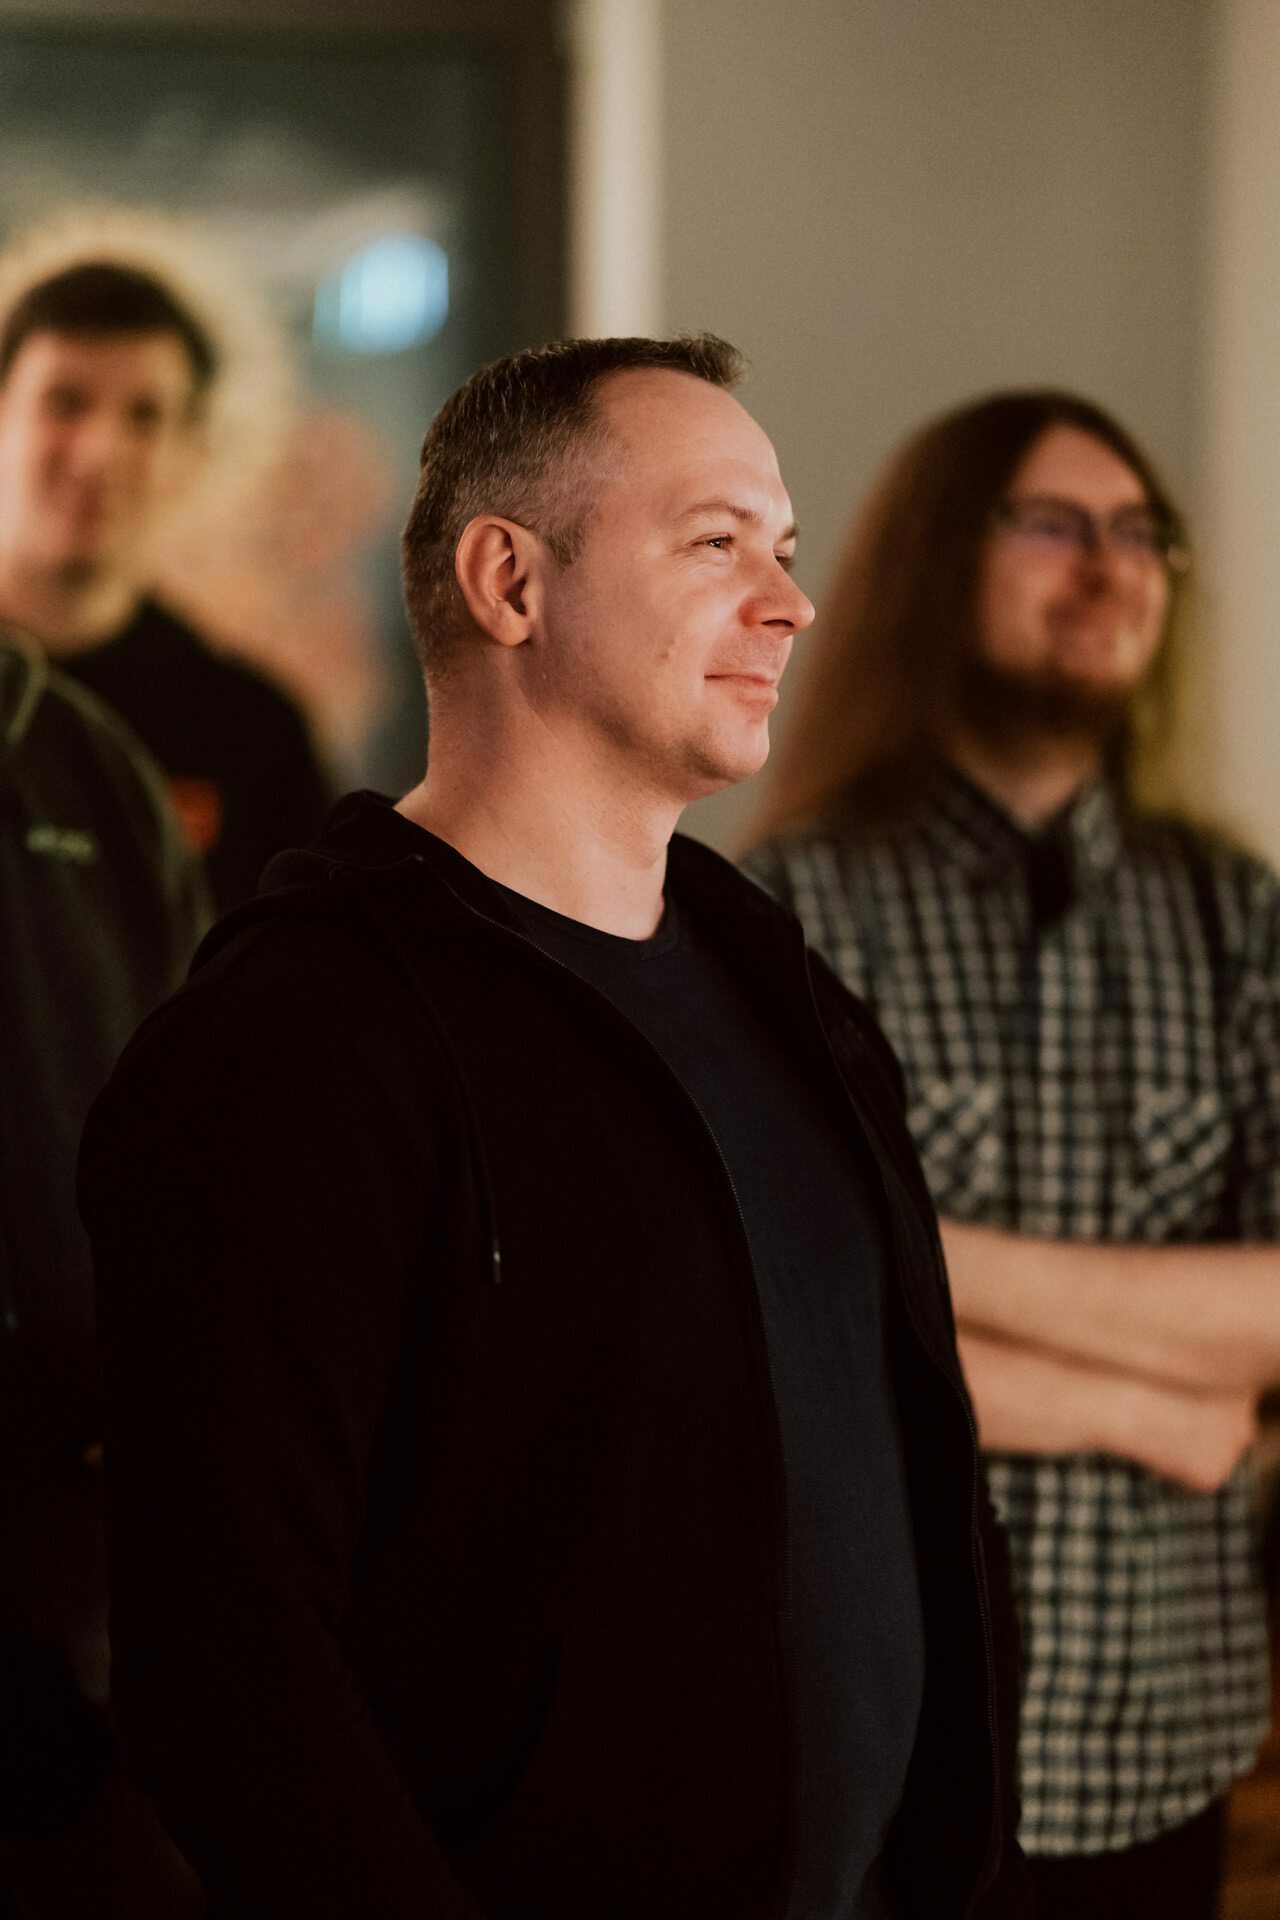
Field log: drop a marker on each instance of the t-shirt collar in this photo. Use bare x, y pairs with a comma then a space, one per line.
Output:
970, 827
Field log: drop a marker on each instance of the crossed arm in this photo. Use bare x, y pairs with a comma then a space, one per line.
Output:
1156, 1354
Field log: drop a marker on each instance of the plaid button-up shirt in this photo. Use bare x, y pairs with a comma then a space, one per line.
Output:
1094, 1056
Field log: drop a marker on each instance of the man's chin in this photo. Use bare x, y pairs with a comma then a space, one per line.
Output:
81, 569
77, 556
1001, 704
715, 768
742, 758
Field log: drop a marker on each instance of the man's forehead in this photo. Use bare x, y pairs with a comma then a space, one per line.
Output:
686, 439
660, 408
154, 357
1068, 459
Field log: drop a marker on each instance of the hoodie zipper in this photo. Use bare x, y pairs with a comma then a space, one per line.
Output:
430, 1013
786, 1648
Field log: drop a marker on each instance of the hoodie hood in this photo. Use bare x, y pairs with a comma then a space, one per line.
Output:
363, 832
366, 844
363, 840
24, 678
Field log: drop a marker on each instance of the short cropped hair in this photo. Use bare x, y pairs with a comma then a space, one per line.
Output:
103, 297
516, 441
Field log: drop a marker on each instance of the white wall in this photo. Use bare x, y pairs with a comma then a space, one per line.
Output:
895, 204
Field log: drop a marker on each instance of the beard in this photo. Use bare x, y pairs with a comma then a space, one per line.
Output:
1007, 706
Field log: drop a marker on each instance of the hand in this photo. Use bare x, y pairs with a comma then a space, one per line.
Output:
1196, 1439
1029, 1401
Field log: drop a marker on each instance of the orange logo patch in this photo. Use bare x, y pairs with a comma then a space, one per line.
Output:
198, 805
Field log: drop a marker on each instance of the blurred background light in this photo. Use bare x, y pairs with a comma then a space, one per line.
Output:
392, 294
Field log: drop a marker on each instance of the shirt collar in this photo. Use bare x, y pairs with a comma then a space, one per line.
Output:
971, 828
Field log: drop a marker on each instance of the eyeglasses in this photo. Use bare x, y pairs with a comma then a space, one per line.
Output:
1063, 526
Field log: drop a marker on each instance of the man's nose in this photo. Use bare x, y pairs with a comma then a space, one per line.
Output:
1097, 561
808, 612
788, 606
96, 440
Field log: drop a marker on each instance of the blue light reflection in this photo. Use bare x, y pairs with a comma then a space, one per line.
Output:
392, 294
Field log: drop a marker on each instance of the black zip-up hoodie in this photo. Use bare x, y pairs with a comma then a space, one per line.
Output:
445, 1487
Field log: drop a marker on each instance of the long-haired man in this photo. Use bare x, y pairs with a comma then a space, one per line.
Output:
1084, 996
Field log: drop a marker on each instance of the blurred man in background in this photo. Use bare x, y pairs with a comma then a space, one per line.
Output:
1086, 999
105, 380
102, 910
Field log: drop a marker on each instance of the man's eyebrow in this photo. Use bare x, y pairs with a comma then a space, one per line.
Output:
747, 516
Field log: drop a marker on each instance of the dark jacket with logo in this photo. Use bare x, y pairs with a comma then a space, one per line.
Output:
445, 1485
101, 913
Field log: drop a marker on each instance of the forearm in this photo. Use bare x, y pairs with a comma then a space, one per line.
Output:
1205, 1318
1028, 1401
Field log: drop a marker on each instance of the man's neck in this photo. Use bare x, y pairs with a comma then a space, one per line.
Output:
66, 609
1032, 779
549, 832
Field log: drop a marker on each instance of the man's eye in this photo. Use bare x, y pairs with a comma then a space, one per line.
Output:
1047, 525
1141, 536
720, 541
63, 403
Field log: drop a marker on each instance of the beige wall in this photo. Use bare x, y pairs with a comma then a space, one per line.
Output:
1240, 680
895, 204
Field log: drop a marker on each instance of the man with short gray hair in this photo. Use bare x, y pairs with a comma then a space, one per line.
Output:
542, 1360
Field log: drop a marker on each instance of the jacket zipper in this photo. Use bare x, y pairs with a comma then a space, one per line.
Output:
786, 1648
432, 1017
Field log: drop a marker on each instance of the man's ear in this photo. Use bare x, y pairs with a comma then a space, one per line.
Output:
498, 566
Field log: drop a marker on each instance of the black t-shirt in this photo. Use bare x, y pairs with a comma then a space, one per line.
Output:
814, 1226
243, 774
